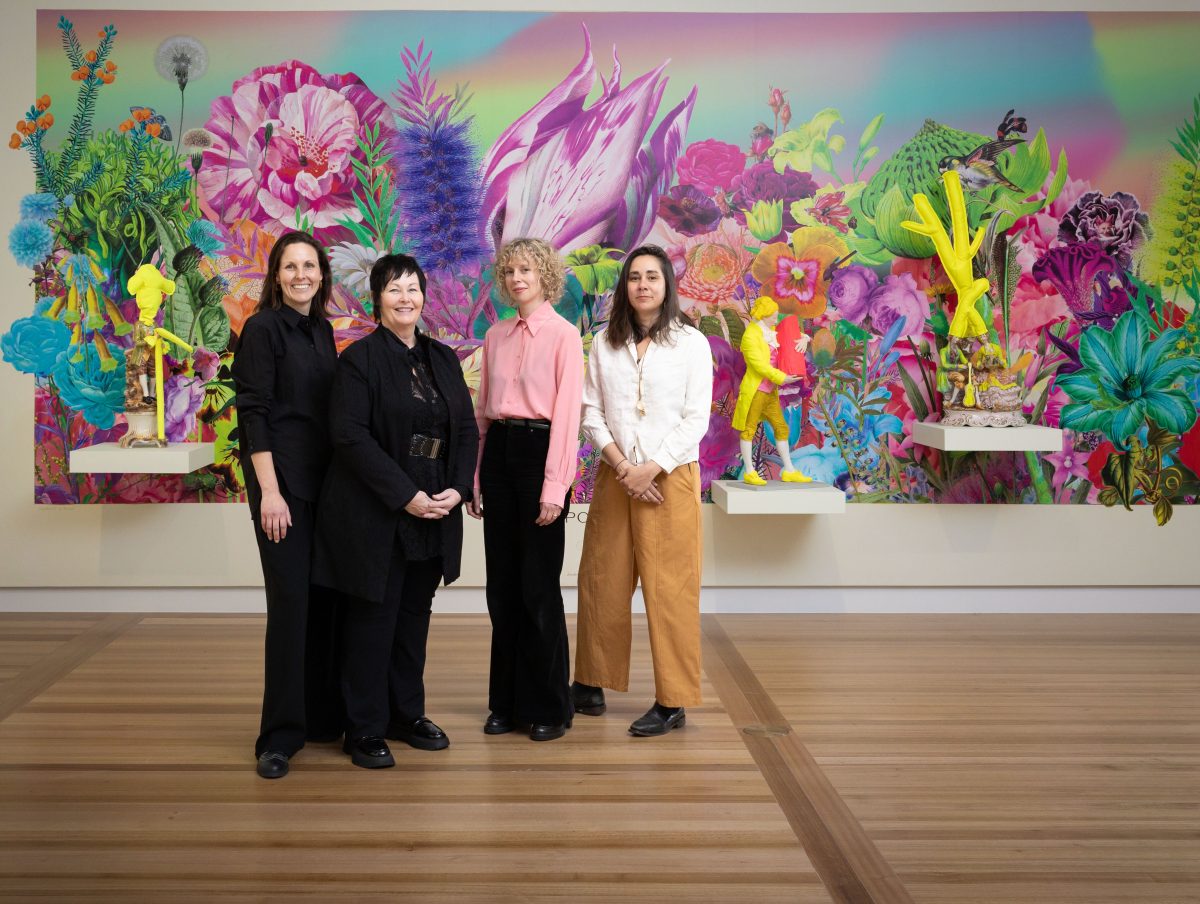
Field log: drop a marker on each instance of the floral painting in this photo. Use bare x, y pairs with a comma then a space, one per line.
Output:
769, 154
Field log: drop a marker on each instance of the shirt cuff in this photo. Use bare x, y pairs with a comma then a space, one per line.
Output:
554, 492
258, 437
664, 461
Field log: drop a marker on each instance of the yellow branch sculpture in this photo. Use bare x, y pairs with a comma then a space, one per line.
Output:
956, 255
148, 286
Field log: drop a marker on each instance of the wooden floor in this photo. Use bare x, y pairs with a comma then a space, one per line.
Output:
1032, 759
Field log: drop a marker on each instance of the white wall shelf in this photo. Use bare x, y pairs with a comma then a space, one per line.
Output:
1029, 438
110, 458
776, 498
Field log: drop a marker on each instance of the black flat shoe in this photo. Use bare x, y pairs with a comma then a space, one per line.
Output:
272, 764
658, 720
587, 699
498, 724
548, 732
422, 734
370, 753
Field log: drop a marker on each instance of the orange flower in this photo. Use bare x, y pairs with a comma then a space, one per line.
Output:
90, 56
101, 34
15, 141
45, 121
110, 66
794, 275
75, 76
154, 129
43, 102
125, 126
141, 114
107, 77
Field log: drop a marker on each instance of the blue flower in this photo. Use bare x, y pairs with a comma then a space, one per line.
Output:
824, 464
30, 242
205, 236
84, 387
41, 206
1125, 379
35, 345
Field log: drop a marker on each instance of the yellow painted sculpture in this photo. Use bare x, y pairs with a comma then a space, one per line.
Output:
148, 286
977, 384
758, 395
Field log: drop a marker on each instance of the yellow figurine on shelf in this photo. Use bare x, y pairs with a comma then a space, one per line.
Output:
143, 399
758, 395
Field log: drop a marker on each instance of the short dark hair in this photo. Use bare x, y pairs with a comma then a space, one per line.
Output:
622, 324
388, 268
272, 295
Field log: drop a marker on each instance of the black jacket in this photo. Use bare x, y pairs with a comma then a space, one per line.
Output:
367, 488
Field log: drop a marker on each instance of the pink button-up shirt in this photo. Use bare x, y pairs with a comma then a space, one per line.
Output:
533, 368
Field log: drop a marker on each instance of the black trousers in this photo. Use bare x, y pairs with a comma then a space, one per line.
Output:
383, 649
530, 668
300, 684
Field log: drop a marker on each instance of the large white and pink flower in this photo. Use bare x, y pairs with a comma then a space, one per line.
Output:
282, 148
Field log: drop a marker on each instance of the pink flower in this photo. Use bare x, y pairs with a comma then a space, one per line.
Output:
1034, 306
205, 363
1068, 463
711, 166
185, 395
795, 278
729, 367
283, 142
577, 177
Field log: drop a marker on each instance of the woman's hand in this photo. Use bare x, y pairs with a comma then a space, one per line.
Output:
548, 514
421, 506
475, 506
446, 500
638, 482
275, 515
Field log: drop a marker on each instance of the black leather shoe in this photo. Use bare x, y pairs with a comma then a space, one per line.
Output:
587, 699
272, 764
498, 724
548, 732
658, 720
370, 753
422, 734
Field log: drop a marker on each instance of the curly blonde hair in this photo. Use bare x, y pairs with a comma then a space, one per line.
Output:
544, 259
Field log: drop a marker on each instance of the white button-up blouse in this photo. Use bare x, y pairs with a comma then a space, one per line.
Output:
654, 410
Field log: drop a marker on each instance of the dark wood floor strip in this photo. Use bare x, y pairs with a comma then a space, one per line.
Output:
853, 870
67, 657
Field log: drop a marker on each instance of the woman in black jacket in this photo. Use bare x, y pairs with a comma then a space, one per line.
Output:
283, 372
390, 525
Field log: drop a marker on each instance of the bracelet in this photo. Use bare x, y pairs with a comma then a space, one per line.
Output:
617, 467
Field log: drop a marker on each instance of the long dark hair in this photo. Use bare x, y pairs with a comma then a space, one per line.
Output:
272, 295
389, 267
622, 324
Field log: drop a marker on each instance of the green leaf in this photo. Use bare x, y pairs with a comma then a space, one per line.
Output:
1120, 475
213, 328
736, 326
711, 326
1162, 511
916, 399
868, 135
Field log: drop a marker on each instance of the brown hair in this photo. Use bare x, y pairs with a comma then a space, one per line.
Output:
272, 295
622, 324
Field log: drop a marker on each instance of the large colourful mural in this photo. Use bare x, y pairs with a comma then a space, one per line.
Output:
771, 155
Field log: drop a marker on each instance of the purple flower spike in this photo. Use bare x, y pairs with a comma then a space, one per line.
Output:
1088, 279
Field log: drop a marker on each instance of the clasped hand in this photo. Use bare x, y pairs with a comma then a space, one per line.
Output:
638, 482
433, 507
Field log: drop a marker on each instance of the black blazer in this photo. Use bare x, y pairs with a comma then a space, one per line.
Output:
366, 488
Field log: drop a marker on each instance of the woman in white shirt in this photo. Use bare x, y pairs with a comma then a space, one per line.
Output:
646, 403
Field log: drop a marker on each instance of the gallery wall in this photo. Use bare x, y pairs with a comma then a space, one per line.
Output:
872, 545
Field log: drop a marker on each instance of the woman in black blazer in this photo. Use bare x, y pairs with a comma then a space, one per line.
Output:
283, 373
390, 525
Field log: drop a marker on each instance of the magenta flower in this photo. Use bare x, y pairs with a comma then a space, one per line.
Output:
1068, 464
761, 183
850, 292
282, 147
898, 296
577, 177
205, 363
795, 278
711, 166
728, 367
718, 450
184, 398
1088, 279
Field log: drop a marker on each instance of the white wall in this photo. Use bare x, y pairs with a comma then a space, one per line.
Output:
872, 547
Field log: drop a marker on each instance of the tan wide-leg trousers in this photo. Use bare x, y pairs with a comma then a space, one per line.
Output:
626, 539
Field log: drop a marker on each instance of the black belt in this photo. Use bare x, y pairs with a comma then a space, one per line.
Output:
427, 446
536, 423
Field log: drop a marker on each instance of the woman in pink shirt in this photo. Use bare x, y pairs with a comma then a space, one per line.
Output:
527, 409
